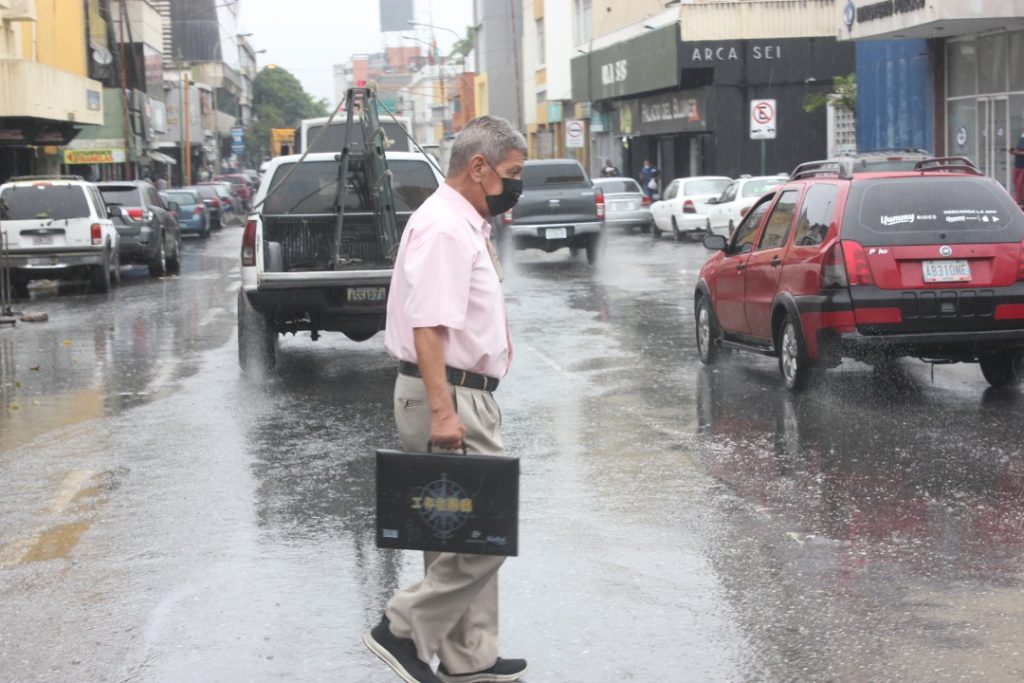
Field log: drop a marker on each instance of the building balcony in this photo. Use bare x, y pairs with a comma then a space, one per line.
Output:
34, 90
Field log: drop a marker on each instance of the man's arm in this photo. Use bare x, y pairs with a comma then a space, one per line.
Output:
446, 429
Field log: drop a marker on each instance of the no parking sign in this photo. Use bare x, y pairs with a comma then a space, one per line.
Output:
574, 133
762, 119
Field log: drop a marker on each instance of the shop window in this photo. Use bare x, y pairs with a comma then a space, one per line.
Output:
962, 68
992, 55
540, 42
1015, 61
962, 134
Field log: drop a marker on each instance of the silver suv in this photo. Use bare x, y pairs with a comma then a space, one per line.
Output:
57, 227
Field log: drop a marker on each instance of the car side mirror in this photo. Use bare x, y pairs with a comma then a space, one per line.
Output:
114, 212
173, 207
713, 200
715, 242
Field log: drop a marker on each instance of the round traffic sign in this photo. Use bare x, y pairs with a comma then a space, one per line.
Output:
763, 113
574, 129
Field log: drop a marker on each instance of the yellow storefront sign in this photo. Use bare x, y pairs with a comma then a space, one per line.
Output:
93, 156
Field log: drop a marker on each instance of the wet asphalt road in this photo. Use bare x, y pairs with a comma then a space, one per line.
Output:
163, 518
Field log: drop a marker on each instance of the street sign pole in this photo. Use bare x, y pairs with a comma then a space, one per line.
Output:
762, 156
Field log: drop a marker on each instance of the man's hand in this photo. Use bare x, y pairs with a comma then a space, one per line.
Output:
446, 430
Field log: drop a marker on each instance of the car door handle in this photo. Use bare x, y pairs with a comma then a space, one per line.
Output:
776, 262
741, 266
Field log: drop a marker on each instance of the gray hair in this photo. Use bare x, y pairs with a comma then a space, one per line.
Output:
490, 136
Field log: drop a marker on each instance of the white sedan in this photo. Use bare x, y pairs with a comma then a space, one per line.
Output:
726, 211
677, 211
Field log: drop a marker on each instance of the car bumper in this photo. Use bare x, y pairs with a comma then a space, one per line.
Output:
54, 264
196, 226
138, 246
938, 345
328, 305
577, 235
641, 217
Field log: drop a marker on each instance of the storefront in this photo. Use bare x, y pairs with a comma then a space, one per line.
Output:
29, 146
688, 109
977, 63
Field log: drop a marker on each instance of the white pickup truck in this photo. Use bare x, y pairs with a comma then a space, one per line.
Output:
295, 275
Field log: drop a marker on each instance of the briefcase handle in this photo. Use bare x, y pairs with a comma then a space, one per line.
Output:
430, 447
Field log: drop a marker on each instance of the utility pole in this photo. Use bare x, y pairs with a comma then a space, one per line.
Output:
129, 170
186, 122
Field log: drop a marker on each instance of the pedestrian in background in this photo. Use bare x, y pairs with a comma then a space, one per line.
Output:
1018, 168
448, 328
609, 170
647, 174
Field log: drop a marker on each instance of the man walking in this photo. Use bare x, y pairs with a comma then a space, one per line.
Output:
648, 176
448, 328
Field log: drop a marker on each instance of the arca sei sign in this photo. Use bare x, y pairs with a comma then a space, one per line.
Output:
709, 54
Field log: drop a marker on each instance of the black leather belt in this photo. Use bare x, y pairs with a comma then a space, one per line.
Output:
456, 377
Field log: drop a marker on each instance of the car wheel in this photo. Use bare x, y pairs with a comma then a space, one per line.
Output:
675, 230
646, 227
707, 332
794, 365
257, 339
204, 230
158, 264
1003, 369
116, 270
732, 226
594, 243
174, 262
358, 335
99, 276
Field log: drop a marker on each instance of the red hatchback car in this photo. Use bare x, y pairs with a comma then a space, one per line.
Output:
834, 264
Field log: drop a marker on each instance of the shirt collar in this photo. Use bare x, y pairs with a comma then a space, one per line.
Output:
465, 209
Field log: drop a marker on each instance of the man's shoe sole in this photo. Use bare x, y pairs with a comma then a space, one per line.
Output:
389, 659
482, 678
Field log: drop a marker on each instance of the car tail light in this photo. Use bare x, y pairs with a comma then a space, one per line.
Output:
96, 230
507, 216
645, 201
599, 203
198, 211
249, 244
138, 214
689, 207
215, 203
833, 269
857, 268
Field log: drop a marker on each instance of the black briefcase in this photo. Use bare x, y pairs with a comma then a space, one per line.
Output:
448, 502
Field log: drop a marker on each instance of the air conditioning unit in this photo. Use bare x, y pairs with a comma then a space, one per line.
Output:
21, 10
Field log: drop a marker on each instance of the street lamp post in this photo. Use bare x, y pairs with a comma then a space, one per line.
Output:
440, 67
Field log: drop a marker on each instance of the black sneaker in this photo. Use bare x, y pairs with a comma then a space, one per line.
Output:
503, 671
399, 654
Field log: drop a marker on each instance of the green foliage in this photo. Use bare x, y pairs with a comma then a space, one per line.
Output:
843, 96
279, 101
463, 47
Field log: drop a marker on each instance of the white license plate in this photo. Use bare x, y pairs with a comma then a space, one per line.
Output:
947, 271
366, 295
555, 234
40, 240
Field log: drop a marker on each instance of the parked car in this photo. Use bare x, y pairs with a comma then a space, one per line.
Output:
677, 212
726, 211
58, 227
560, 207
241, 185
149, 231
230, 202
298, 273
625, 203
211, 196
190, 210
872, 266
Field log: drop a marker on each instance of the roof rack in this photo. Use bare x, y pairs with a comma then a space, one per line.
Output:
891, 150
948, 165
838, 167
22, 178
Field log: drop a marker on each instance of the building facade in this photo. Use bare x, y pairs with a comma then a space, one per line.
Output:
973, 53
498, 83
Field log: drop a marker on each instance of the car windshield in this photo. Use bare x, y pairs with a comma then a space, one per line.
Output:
618, 185
756, 188
697, 187
311, 188
121, 195
181, 198
927, 209
43, 201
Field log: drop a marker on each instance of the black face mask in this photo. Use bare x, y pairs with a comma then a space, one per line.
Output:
498, 204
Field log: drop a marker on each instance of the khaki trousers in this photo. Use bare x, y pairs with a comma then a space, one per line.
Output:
453, 611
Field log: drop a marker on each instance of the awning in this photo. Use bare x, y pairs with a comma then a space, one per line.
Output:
161, 157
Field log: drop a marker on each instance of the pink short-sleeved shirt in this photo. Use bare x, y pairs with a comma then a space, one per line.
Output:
444, 276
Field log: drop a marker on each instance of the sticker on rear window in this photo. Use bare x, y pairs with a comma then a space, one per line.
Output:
906, 218
972, 215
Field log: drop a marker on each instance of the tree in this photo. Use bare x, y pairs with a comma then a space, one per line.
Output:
843, 96
279, 101
464, 46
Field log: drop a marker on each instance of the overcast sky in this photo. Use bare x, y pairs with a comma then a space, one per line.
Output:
307, 37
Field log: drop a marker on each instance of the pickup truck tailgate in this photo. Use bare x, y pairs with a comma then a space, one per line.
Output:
543, 206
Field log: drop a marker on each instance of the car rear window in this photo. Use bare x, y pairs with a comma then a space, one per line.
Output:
696, 187
43, 201
542, 175
311, 188
923, 209
181, 198
614, 186
756, 188
121, 195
